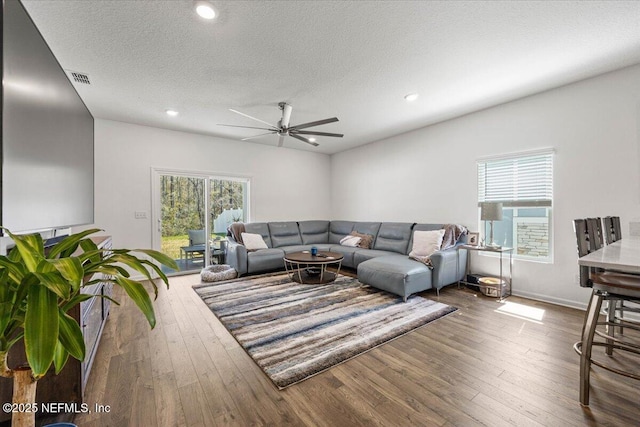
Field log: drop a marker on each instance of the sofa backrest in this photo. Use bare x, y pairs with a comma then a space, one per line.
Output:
313, 232
339, 229
260, 228
388, 236
284, 234
394, 237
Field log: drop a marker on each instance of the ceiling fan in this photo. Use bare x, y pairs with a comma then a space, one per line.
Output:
283, 128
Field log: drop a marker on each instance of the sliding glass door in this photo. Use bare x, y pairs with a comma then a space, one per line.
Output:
192, 212
227, 204
182, 224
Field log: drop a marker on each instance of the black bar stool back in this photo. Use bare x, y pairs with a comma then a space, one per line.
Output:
612, 229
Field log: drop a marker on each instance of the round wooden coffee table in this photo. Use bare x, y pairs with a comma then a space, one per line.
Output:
312, 269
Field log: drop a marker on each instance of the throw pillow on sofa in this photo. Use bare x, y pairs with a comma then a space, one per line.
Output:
253, 242
425, 243
350, 241
365, 240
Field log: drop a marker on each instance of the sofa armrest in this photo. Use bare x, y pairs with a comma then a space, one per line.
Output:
237, 256
449, 266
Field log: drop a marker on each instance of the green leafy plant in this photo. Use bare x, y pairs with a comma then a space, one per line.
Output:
37, 290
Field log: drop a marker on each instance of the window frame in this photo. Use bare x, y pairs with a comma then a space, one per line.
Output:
529, 197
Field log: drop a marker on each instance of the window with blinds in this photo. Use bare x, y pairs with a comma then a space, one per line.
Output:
517, 181
523, 183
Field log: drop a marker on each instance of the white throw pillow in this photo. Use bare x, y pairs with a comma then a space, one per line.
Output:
351, 241
253, 242
426, 243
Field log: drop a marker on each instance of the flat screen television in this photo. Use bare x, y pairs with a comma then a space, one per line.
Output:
46, 151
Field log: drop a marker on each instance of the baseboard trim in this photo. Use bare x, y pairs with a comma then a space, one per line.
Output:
567, 303
552, 300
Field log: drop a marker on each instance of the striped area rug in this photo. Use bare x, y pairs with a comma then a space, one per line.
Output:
295, 331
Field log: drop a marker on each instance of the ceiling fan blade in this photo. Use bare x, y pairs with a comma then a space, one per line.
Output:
316, 123
252, 118
257, 136
248, 127
286, 115
280, 140
315, 144
310, 132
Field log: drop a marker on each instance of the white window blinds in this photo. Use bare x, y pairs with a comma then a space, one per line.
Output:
519, 180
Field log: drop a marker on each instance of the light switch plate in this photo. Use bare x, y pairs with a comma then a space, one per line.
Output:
140, 215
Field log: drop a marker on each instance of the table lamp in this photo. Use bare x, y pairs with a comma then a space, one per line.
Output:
491, 211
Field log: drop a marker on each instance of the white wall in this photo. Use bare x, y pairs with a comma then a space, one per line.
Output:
125, 154
429, 175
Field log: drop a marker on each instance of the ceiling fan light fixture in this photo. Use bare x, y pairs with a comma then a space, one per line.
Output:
205, 10
171, 112
283, 128
411, 97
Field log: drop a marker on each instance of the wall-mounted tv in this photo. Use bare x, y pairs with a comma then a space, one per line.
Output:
47, 157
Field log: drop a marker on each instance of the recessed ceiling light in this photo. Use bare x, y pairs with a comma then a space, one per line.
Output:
171, 113
411, 97
312, 139
205, 10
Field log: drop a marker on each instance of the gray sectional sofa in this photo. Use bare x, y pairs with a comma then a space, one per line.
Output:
385, 266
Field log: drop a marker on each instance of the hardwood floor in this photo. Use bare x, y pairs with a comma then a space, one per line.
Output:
475, 367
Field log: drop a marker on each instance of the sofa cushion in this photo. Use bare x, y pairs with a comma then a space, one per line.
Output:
295, 248
347, 253
367, 254
396, 274
322, 247
260, 228
339, 229
253, 242
393, 237
314, 231
284, 234
350, 241
423, 227
265, 260
425, 243
370, 228
366, 240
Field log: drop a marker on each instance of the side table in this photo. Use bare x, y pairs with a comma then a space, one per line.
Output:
505, 282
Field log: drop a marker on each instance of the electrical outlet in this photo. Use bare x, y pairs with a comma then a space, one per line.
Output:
140, 215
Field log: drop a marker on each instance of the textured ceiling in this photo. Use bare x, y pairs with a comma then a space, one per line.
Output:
351, 59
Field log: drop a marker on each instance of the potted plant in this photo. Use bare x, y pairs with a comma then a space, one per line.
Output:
37, 290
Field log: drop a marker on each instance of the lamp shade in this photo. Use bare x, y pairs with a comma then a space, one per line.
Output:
491, 211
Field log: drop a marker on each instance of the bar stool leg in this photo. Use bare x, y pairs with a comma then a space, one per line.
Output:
612, 305
589, 329
621, 315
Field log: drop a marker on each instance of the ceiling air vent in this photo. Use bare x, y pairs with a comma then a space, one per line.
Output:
79, 77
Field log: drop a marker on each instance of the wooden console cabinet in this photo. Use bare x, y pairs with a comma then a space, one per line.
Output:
69, 385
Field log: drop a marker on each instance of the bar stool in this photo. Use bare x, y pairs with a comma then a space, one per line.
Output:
607, 286
612, 229
596, 237
613, 233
